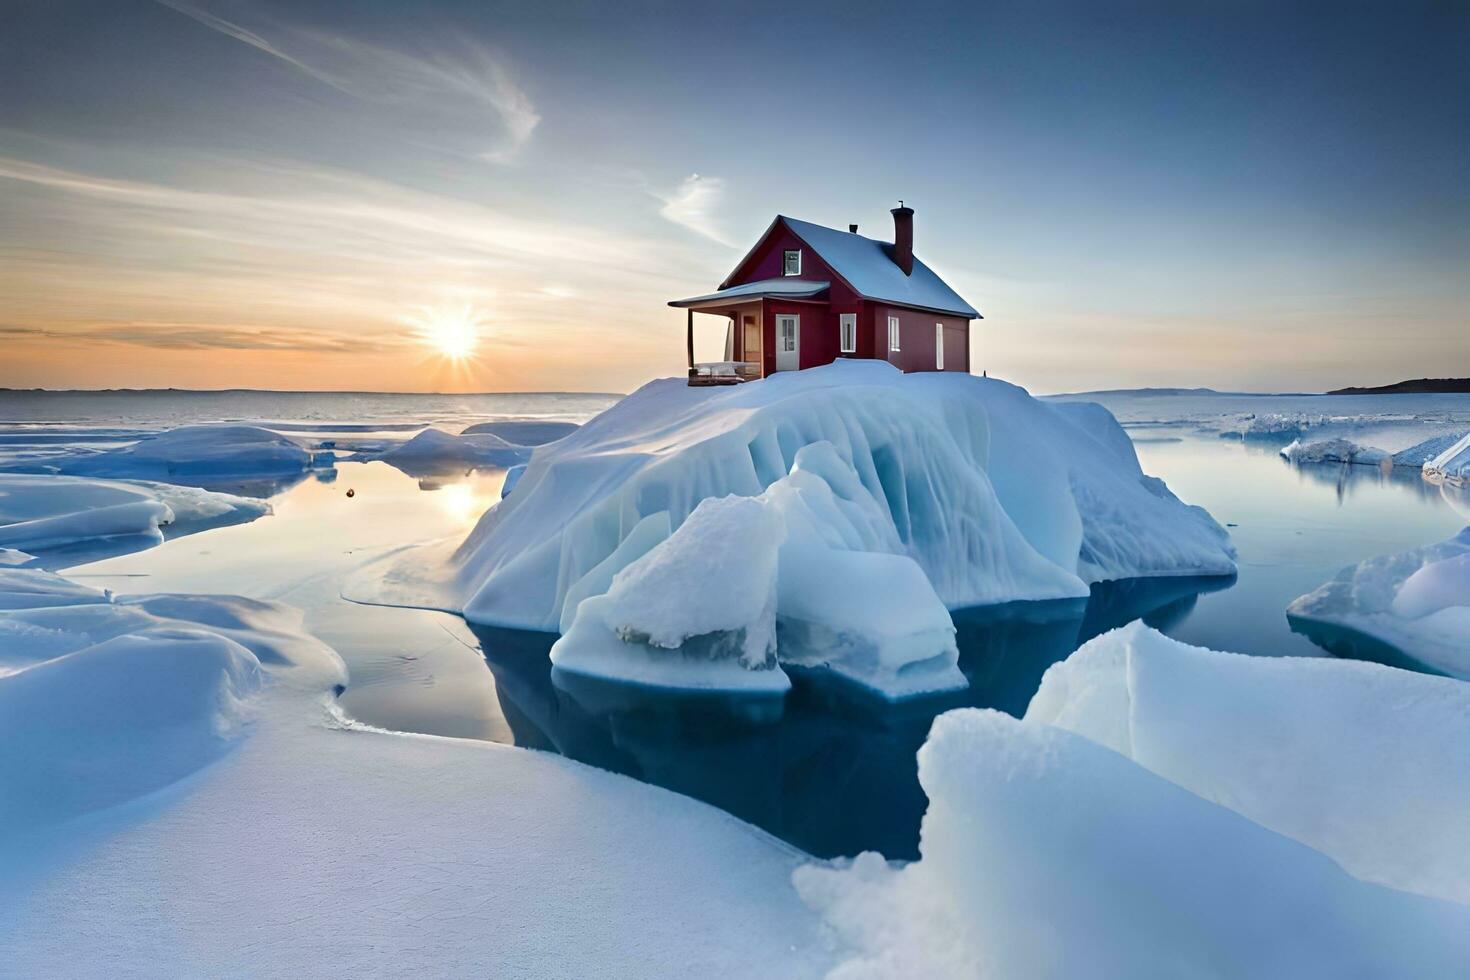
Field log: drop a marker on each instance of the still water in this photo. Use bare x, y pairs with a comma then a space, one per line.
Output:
828, 768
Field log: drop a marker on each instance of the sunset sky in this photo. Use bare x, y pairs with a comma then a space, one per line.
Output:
304, 194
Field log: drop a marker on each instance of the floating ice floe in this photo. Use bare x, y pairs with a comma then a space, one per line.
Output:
1334, 451
434, 451
198, 450
995, 495
190, 747
523, 432
1451, 466
1417, 602
1169, 811
810, 570
42, 512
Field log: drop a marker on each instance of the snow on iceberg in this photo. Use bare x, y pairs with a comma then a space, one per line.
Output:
1422, 452
995, 495
1451, 466
810, 571
41, 512
1362, 762
1417, 602
1045, 854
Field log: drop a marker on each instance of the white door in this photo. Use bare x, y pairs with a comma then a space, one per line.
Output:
788, 342
939, 346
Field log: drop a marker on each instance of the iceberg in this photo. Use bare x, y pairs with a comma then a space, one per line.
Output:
1451, 466
1416, 602
1417, 455
994, 495
215, 450
40, 513
1047, 854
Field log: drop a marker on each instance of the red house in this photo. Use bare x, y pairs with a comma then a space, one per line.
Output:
806, 295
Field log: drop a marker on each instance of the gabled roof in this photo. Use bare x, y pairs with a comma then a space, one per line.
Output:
868, 267
788, 288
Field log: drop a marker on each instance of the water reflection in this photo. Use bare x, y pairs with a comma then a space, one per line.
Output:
828, 767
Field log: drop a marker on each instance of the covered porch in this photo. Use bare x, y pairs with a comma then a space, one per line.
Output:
745, 341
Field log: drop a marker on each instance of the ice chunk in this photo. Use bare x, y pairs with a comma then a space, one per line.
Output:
524, 432
512, 477
810, 570
1417, 602
696, 610
1452, 466
995, 495
1362, 762
1045, 854
1335, 451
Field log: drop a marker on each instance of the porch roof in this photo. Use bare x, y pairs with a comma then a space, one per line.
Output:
792, 288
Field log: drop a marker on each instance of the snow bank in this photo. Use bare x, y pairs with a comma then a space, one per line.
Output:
995, 495
523, 432
813, 561
1045, 854
1362, 762
1334, 451
1417, 602
1451, 466
48, 512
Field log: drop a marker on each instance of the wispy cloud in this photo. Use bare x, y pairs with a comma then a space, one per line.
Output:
461, 82
693, 204
211, 336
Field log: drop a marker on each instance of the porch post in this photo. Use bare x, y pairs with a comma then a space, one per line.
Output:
690, 311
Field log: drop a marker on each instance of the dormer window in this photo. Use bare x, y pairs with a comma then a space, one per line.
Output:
792, 262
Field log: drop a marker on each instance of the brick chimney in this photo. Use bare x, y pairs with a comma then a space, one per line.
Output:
903, 238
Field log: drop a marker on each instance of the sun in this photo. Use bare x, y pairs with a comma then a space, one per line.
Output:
451, 332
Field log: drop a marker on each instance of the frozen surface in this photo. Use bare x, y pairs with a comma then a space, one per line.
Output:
810, 571
994, 495
48, 512
1045, 854
1417, 602
1362, 762
195, 805
1451, 466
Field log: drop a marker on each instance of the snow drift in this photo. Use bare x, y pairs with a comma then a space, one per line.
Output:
995, 495
1417, 602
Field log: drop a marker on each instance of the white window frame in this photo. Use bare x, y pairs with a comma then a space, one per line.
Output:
847, 333
786, 261
895, 333
939, 347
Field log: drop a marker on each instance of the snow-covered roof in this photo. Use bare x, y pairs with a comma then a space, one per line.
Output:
789, 288
868, 267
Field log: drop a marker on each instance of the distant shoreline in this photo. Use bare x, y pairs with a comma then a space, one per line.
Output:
1419, 386
291, 391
